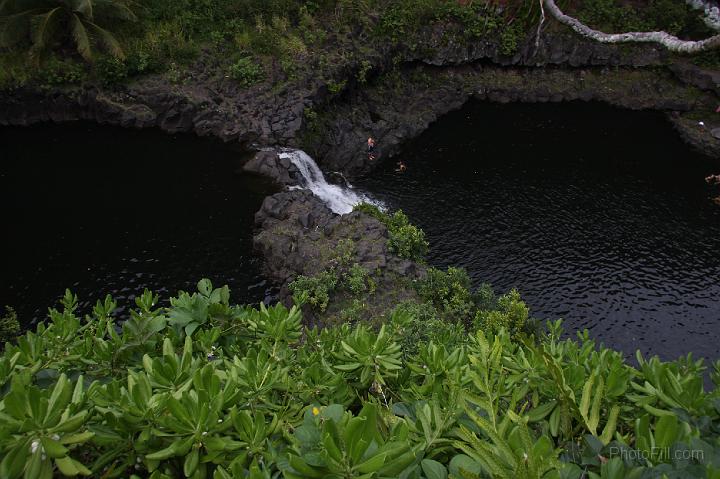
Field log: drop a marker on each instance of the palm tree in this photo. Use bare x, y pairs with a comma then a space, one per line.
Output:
48, 23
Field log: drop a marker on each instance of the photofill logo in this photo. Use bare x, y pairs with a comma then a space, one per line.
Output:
657, 454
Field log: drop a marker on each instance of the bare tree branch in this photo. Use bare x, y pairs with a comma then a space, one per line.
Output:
712, 13
540, 25
671, 42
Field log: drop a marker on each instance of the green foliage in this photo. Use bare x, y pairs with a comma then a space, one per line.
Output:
370, 358
510, 37
358, 280
246, 71
449, 291
111, 70
510, 313
9, 325
47, 24
362, 74
343, 274
314, 290
59, 72
419, 323
336, 87
407, 19
204, 388
406, 240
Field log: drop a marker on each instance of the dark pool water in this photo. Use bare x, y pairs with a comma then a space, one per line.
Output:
597, 215
105, 210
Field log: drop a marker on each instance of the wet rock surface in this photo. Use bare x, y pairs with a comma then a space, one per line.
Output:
268, 163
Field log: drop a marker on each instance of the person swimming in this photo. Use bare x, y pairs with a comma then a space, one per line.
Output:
371, 148
401, 167
713, 179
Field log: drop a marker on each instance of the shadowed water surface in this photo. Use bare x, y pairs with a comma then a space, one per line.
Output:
103, 210
597, 215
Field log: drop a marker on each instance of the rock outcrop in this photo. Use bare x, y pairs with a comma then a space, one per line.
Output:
298, 234
267, 163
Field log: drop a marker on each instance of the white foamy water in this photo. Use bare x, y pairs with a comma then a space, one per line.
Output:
340, 199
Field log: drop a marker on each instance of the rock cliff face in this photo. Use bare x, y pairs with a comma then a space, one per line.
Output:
434, 77
394, 111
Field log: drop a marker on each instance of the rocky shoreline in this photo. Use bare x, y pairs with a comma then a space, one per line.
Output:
433, 78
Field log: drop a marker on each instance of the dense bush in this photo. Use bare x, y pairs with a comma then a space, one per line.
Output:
9, 325
510, 313
314, 290
452, 297
246, 71
342, 275
204, 388
449, 291
406, 240
56, 71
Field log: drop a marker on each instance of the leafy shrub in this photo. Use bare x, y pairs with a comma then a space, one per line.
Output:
111, 70
9, 325
60, 72
449, 291
336, 87
342, 254
314, 290
241, 395
510, 37
362, 74
246, 71
420, 323
406, 240
511, 314
358, 280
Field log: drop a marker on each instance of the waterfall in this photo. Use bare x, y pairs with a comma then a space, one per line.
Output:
340, 199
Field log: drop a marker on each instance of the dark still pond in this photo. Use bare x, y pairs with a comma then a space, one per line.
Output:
105, 210
596, 215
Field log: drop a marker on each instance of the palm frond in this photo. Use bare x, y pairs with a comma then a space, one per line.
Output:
45, 28
81, 37
85, 7
107, 39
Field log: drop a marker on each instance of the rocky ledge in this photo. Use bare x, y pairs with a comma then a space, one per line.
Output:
298, 235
